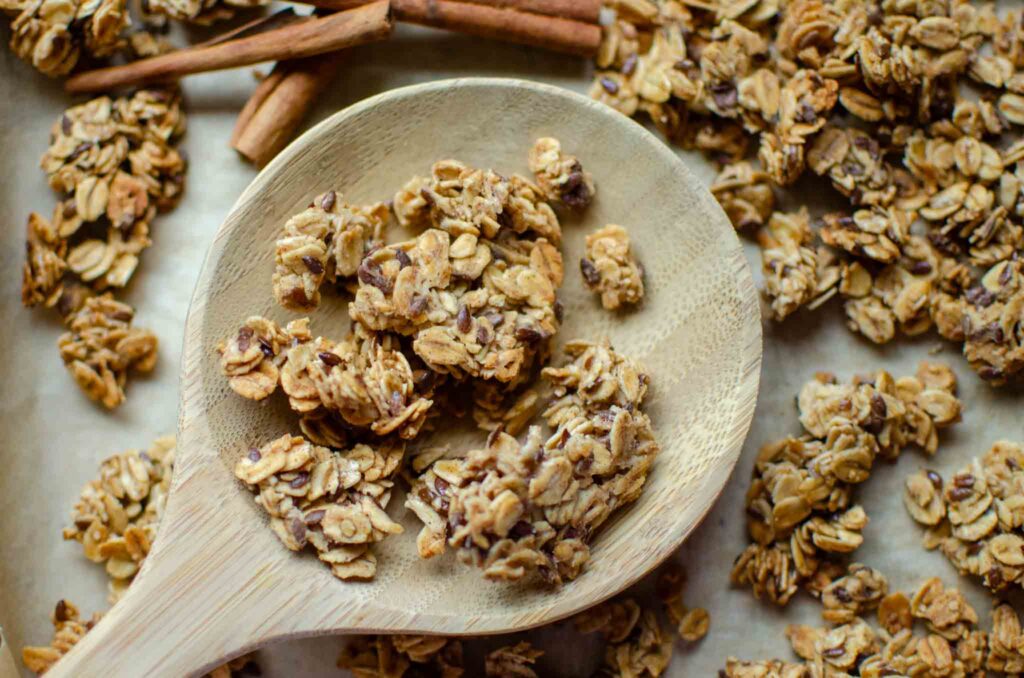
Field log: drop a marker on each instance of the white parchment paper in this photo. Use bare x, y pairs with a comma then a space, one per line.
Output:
53, 437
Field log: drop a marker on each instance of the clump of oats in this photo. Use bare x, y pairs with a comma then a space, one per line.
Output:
975, 517
326, 242
52, 35
533, 503
101, 347
330, 500
512, 660
559, 175
385, 656
691, 623
610, 268
745, 194
953, 645
800, 508
635, 642
361, 382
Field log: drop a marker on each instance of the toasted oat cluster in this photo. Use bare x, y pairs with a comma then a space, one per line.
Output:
560, 176
904, 107
361, 382
69, 628
326, 242
801, 512
691, 623
514, 507
610, 268
116, 517
953, 644
975, 518
202, 12
636, 644
396, 656
330, 500
101, 347
52, 35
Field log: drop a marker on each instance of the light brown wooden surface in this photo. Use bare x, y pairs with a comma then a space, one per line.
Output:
218, 582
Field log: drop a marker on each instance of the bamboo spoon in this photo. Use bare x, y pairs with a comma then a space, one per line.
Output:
218, 582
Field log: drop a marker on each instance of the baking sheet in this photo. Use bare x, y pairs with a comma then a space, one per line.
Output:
54, 437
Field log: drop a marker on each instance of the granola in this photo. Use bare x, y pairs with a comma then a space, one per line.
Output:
636, 643
745, 194
610, 268
101, 347
393, 656
361, 382
975, 517
325, 242
559, 175
512, 661
330, 500
691, 623
953, 645
800, 507
513, 507
69, 628
52, 35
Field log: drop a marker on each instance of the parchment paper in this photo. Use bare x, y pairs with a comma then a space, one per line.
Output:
54, 438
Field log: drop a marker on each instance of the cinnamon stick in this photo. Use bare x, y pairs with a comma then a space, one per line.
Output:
301, 39
496, 20
587, 11
279, 104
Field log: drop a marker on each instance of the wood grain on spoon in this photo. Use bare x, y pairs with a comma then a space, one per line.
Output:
304, 38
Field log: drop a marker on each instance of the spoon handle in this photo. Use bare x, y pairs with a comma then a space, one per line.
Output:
207, 592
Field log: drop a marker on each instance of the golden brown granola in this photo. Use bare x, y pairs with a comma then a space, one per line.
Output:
514, 507
882, 98
117, 515
361, 382
691, 623
397, 656
800, 509
975, 518
101, 347
333, 501
559, 175
69, 628
52, 35
325, 242
512, 661
636, 644
610, 268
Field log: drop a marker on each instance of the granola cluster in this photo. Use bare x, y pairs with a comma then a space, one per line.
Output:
975, 519
952, 645
101, 347
326, 242
397, 656
691, 623
330, 500
903, 106
363, 382
636, 643
514, 507
801, 512
115, 162
610, 269
462, 315
69, 628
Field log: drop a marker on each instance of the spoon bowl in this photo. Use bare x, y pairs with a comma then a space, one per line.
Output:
218, 582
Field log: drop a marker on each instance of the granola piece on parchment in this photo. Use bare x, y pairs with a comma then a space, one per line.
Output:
52, 35
610, 267
116, 516
101, 347
69, 628
325, 242
533, 503
636, 643
361, 382
201, 12
799, 504
797, 273
860, 590
559, 175
745, 194
512, 661
42, 279
383, 656
330, 500
974, 518
691, 623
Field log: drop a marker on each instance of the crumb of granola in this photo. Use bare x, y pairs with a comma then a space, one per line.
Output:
559, 175
512, 661
533, 503
330, 500
610, 268
45, 263
385, 656
636, 643
101, 347
800, 510
691, 624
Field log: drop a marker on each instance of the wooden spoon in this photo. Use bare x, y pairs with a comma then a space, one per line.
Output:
218, 582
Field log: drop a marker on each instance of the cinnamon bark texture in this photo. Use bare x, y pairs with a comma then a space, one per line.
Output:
588, 11
306, 38
279, 105
498, 20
